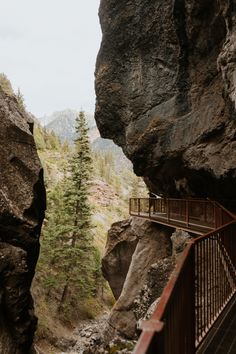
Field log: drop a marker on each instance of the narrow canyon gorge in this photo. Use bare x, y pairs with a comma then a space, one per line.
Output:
166, 94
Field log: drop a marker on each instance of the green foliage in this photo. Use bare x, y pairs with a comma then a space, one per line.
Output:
45, 140
66, 147
91, 308
138, 188
39, 138
6, 85
20, 99
124, 181
69, 269
120, 345
104, 163
74, 263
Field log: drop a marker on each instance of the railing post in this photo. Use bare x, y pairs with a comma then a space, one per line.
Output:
149, 207
187, 213
191, 337
205, 211
168, 209
138, 206
215, 221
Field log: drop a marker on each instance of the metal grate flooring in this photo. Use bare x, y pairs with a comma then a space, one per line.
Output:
224, 340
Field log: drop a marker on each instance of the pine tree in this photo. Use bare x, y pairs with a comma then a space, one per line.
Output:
65, 147
53, 231
78, 245
20, 98
68, 252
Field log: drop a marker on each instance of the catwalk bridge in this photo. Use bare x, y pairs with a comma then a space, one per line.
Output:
196, 312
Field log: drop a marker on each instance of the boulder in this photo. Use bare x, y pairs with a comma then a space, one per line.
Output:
179, 241
121, 244
154, 245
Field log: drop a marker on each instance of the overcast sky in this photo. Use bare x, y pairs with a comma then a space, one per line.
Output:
48, 50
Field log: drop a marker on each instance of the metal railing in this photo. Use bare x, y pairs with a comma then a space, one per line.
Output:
171, 327
214, 276
187, 213
201, 286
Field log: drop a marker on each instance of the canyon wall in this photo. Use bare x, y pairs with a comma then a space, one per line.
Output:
22, 205
166, 92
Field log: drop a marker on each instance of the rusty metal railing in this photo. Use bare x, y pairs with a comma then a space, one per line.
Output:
190, 214
215, 276
171, 327
201, 286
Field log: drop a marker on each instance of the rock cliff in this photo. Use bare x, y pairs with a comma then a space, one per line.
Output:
145, 249
22, 205
166, 92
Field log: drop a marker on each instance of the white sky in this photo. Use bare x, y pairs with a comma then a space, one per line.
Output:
48, 49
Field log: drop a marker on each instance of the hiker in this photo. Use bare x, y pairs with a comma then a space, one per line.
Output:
152, 202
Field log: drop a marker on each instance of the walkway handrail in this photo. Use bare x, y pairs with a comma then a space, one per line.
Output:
199, 215
200, 287
151, 338
233, 216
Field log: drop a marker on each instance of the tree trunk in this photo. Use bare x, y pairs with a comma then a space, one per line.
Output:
63, 297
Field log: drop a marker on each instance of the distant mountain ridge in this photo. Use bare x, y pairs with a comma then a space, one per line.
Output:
48, 118
62, 123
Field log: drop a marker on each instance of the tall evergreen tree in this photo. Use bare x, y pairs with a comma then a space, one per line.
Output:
68, 240
79, 258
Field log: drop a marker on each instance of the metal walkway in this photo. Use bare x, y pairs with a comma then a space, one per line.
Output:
202, 286
223, 334
197, 216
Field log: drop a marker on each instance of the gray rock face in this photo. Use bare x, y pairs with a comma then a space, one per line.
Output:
157, 278
121, 243
179, 241
154, 246
22, 205
166, 92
